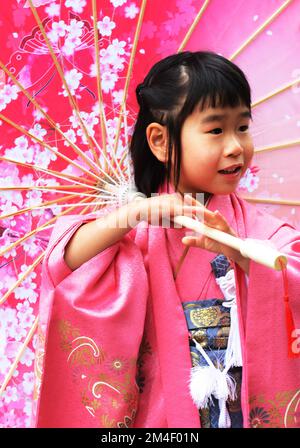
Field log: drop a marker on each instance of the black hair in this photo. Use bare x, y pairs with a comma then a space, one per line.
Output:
168, 95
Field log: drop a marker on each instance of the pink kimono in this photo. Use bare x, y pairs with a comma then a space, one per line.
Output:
116, 341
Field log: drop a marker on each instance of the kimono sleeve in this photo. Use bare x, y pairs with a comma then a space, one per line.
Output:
57, 268
94, 327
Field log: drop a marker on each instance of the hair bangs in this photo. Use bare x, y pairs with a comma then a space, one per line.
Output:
211, 88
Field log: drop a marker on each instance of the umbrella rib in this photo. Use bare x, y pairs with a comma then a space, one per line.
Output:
111, 166
79, 204
61, 74
41, 187
99, 86
129, 72
61, 191
78, 151
260, 29
282, 145
22, 277
272, 201
85, 210
64, 176
28, 209
275, 92
126, 150
45, 145
193, 26
107, 200
38, 229
27, 339
19, 356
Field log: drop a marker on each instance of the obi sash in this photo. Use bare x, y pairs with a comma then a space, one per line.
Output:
208, 323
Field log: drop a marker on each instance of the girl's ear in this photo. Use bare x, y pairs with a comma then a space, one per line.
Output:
158, 141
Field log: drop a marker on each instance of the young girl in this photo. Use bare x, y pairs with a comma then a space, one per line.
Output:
144, 326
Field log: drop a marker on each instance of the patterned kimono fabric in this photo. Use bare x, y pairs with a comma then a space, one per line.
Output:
209, 324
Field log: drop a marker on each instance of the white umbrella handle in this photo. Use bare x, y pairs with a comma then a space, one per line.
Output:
250, 248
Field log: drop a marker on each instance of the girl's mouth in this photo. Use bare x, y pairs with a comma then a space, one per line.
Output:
232, 172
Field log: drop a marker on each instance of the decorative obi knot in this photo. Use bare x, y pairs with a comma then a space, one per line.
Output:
220, 265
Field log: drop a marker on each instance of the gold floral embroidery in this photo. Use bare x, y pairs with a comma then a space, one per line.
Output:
38, 363
127, 421
195, 359
200, 337
207, 317
67, 334
105, 383
107, 422
283, 411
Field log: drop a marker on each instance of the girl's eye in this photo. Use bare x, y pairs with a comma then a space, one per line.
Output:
244, 128
216, 131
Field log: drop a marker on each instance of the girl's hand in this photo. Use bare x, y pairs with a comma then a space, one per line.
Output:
160, 210
217, 221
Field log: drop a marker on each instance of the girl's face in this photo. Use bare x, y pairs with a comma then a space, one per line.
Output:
212, 140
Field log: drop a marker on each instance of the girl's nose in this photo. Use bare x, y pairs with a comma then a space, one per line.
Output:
233, 147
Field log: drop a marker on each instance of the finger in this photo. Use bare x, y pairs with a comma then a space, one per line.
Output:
218, 221
188, 210
194, 212
191, 241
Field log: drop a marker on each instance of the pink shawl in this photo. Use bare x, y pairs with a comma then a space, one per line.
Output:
116, 343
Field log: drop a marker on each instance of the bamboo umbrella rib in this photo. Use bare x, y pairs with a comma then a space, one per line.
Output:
123, 157
79, 204
31, 267
19, 356
275, 92
272, 201
42, 187
78, 151
260, 29
193, 26
99, 87
38, 229
58, 189
83, 212
22, 277
127, 168
64, 176
61, 74
282, 145
129, 72
45, 145
117, 165
75, 193
29, 335
33, 207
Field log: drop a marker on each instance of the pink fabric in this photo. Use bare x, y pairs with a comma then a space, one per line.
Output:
124, 305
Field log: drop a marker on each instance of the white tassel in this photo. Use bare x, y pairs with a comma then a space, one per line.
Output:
207, 380
233, 355
225, 385
224, 417
202, 385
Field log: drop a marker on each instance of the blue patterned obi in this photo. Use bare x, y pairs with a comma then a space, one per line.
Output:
208, 323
